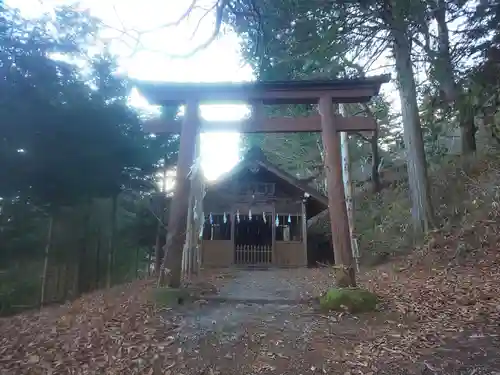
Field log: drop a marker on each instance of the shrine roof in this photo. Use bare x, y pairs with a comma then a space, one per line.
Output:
352, 90
255, 156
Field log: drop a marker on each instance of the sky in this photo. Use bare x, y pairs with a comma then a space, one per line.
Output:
220, 61
153, 60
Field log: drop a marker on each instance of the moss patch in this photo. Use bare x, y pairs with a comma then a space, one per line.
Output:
354, 300
170, 296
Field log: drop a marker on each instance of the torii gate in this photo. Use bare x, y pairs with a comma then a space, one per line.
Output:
325, 93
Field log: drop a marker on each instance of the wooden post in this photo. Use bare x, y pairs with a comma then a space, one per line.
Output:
186, 250
232, 215
161, 214
274, 258
187, 243
349, 202
189, 263
200, 196
48, 245
180, 201
188, 246
345, 271
304, 229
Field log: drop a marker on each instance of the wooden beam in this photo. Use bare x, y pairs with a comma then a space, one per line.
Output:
266, 125
356, 95
356, 90
345, 271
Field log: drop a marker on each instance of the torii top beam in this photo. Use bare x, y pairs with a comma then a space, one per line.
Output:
356, 90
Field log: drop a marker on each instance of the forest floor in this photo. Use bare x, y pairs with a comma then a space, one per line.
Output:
440, 315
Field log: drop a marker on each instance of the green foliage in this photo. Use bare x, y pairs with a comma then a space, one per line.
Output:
298, 154
298, 40
307, 40
70, 143
463, 191
354, 300
74, 136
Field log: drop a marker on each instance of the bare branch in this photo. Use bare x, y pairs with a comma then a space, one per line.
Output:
184, 16
363, 137
426, 47
220, 6
135, 35
207, 12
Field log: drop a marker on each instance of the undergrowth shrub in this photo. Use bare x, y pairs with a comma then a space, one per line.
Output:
353, 300
463, 190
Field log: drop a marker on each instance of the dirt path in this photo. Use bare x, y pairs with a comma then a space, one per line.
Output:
260, 328
232, 338
262, 337
270, 285
247, 297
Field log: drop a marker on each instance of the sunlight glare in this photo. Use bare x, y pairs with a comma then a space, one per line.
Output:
220, 62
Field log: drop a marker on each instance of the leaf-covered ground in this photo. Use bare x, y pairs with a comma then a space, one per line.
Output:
440, 314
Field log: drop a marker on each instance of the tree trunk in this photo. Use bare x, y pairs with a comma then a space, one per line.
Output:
179, 206
422, 211
98, 259
467, 130
112, 240
58, 282
164, 185
158, 249
149, 262
81, 279
48, 245
376, 183
137, 262
443, 66
444, 70
75, 291
322, 156
349, 201
64, 282
67, 283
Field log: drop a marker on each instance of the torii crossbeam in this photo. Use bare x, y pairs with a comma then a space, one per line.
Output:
324, 93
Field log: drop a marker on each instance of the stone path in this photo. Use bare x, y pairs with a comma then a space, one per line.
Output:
248, 296
253, 337
262, 286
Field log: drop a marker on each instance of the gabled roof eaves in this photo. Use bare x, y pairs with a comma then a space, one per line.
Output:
246, 163
295, 182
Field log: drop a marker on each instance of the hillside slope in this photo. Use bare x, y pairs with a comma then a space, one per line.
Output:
440, 311
462, 191
439, 314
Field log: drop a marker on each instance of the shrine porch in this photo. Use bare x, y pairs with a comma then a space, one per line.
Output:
224, 253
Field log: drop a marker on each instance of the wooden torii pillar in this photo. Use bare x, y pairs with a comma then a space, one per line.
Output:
322, 93
339, 222
178, 215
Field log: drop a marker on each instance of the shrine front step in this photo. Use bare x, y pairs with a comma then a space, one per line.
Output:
255, 267
260, 301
